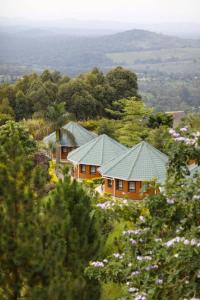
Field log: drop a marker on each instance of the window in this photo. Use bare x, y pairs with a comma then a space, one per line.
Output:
131, 186
64, 149
109, 183
145, 187
119, 185
83, 168
92, 170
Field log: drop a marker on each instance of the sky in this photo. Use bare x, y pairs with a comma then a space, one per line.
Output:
134, 11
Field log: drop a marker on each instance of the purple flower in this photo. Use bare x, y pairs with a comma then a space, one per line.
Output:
184, 129
97, 264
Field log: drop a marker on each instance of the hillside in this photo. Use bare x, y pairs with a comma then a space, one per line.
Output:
43, 48
168, 67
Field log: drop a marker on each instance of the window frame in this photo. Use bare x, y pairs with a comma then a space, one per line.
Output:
111, 183
118, 187
131, 190
81, 168
93, 173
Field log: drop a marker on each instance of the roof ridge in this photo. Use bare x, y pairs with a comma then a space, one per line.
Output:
76, 124
95, 142
154, 165
157, 150
141, 146
122, 157
102, 148
82, 146
116, 142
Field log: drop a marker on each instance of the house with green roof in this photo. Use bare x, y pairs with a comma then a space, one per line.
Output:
194, 169
89, 157
72, 136
130, 173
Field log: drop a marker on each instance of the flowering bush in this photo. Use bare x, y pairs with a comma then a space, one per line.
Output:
185, 146
159, 257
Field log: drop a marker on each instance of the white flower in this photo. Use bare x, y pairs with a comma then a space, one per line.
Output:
117, 255
135, 273
176, 255
159, 281
186, 242
140, 297
142, 219
97, 264
194, 242
196, 197
133, 242
152, 267
158, 240
170, 201
144, 258
198, 274
130, 265
132, 290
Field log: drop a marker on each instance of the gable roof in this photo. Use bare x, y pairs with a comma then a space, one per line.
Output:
143, 162
72, 135
97, 152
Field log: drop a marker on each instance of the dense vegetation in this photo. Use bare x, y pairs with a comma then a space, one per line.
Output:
59, 239
166, 66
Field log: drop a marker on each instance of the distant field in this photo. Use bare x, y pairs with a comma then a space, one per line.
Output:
175, 60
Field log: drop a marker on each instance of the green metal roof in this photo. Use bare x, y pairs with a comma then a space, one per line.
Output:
194, 169
97, 152
143, 162
72, 135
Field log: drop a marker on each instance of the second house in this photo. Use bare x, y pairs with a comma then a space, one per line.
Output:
89, 157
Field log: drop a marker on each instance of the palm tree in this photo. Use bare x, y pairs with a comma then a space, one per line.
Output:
57, 116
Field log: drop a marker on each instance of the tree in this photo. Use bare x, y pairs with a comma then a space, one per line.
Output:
124, 83
160, 119
84, 106
5, 107
32, 249
23, 107
16, 202
134, 121
71, 206
57, 116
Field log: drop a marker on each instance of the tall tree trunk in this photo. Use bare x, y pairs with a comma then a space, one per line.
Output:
58, 149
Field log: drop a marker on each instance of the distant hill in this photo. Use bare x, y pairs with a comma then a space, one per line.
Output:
53, 49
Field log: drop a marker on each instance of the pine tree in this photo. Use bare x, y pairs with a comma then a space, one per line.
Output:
32, 251
72, 204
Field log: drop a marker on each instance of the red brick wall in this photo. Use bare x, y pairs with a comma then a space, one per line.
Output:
86, 175
137, 195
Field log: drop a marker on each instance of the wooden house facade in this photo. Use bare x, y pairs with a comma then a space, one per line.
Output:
72, 136
131, 175
88, 158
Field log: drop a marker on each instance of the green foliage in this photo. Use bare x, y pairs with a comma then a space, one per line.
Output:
4, 118
134, 121
86, 96
160, 119
156, 256
5, 107
82, 235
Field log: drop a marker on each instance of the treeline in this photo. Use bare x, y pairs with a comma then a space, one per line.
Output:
85, 97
